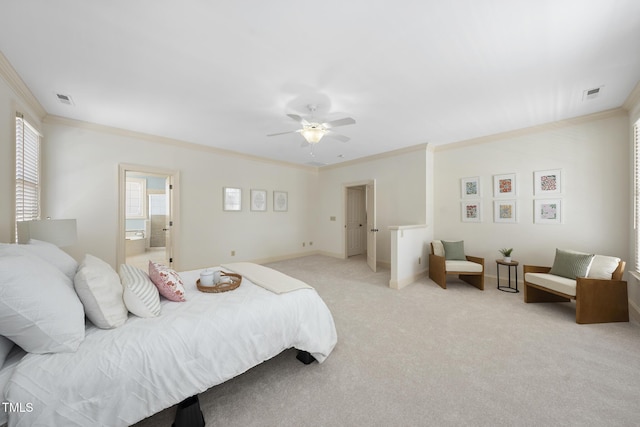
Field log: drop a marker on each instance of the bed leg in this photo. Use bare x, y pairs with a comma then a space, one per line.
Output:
189, 413
305, 357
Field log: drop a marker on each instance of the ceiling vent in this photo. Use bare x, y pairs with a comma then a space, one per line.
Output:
591, 93
64, 99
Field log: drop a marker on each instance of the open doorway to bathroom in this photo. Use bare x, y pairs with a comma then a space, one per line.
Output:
147, 216
360, 221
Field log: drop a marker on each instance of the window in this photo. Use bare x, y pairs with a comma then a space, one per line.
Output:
636, 186
136, 190
27, 171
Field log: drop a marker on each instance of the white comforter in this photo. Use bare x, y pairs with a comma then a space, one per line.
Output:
121, 376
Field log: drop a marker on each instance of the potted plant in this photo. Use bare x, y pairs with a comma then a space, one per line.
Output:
506, 254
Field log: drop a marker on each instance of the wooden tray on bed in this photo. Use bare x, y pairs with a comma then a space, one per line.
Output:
236, 279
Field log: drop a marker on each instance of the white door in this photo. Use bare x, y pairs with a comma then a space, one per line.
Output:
356, 221
371, 224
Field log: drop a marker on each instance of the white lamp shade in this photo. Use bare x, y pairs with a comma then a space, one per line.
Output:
60, 232
313, 135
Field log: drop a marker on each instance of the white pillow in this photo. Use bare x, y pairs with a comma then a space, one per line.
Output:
602, 267
140, 294
39, 310
5, 347
100, 290
54, 255
44, 251
438, 248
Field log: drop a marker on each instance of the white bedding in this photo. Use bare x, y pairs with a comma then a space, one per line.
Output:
123, 375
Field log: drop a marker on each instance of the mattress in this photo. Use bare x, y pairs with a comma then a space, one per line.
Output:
121, 376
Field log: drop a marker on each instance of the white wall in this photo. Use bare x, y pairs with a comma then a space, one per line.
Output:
593, 155
401, 180
81, 181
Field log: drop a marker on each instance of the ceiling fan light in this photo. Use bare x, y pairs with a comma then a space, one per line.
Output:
313, 135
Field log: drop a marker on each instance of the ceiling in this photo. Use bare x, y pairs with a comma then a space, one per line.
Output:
225, 73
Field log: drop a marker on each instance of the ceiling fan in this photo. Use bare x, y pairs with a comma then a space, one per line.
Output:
313, 131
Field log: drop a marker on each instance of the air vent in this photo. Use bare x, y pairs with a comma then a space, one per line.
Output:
591, 93
64, 99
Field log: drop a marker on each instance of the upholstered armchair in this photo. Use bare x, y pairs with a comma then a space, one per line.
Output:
593, 281
449, 258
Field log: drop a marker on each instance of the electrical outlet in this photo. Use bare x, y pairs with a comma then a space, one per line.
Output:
233, 253
304, 244
419, 260
332, 218
310, 243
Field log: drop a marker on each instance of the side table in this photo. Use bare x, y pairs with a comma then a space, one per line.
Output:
500, 262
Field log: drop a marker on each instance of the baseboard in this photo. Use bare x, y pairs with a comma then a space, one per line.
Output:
285, 257
401, 283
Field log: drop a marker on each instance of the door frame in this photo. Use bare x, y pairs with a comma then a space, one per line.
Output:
371, 236
174, 177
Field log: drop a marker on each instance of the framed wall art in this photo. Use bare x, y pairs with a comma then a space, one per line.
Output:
470, 187
504, 185
505, 211
231, 199
259, 200
472, 211
280, 201
547, 211
547, 182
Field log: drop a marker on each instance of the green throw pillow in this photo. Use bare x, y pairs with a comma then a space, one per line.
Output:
454, 250
571, 264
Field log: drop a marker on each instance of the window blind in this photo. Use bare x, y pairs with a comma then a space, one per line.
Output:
636, 186
27, 171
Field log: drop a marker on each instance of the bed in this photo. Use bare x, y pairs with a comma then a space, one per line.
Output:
122, 375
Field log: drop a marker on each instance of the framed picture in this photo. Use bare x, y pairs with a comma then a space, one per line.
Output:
259, 200
505, 211
470, 187
547, 182
472, 211
547, 211
504, 185
280, 201
231, 199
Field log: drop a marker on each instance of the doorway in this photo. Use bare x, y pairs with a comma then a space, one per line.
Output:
147, 216
360, 221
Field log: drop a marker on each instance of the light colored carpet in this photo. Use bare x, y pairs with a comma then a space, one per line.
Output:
424, 356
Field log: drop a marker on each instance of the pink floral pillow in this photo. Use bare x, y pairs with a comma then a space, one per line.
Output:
167, 281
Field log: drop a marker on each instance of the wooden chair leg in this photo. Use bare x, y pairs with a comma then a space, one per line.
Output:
476, 280
533, 294
600, 301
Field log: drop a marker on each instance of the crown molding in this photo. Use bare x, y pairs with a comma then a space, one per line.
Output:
420, 147
58, 120
633, 100
16, 83
534, 129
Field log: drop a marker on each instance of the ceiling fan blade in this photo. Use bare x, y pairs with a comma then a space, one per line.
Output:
298, 119
337, 136
339, 122
284, 133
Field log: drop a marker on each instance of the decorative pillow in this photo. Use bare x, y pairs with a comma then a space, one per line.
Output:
54, 255
140, 294
100, 290
454, 250
571, 264
167, 281
5, 347
39, 310
603, 267
438, 248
